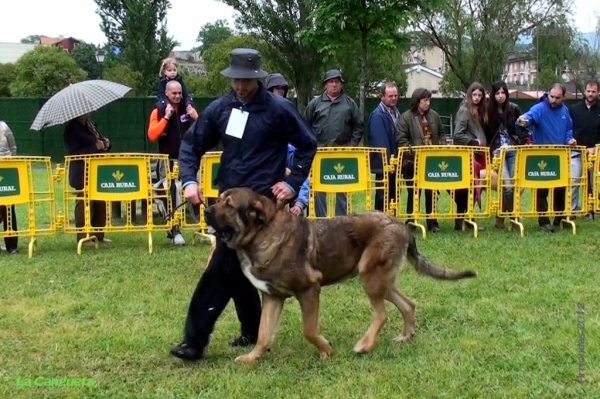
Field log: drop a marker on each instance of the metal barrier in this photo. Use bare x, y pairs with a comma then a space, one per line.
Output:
594, 175
442, 174
543, 184
342, 182
31, 195
92, 182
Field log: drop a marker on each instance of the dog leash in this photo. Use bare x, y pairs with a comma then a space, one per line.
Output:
172, 213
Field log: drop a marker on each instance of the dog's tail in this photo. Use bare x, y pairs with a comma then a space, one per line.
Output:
423, 266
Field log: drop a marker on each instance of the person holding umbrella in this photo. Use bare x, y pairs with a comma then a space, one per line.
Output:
81, 137
73, 106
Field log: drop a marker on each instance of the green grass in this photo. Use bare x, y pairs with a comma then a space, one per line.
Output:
113, 313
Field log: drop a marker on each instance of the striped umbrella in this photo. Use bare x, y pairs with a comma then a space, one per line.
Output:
76, 100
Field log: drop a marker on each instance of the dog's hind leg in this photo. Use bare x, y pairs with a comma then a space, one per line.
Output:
309, 305
406, 308
375, 281
269, 319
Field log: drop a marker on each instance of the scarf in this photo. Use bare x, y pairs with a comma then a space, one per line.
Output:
425, 129
392, 112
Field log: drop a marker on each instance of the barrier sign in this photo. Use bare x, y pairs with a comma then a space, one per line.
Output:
340, 170
209, 169
118, 179
14, 183
443, 168
543, 167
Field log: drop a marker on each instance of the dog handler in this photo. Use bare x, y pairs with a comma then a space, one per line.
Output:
255, 128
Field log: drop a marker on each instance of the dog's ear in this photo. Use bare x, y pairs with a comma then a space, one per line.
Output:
256, 210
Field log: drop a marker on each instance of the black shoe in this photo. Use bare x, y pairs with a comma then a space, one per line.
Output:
187, 352
13, 251
434, 229
547, 228
243, 340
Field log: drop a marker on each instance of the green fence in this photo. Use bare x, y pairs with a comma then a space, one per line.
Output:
125, 122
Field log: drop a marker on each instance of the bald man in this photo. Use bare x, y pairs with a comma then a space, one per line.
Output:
168, 123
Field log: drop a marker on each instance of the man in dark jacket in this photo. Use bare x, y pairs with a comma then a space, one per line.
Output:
382, 134
336, 121
168, 123
254, 127
586, 129
81, 137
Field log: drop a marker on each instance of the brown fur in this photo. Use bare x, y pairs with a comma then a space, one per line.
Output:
284, 255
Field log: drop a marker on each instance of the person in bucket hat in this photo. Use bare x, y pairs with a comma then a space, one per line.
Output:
336, 121
257, 161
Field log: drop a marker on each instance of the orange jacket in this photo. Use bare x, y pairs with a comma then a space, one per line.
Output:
156, 127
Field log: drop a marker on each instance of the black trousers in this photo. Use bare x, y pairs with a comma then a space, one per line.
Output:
542, 204
410, 203
379, 192
223, 280
10, 242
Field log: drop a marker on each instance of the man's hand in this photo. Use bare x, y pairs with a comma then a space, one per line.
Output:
522, 121
191, 112
591, 151
572, 142
100, 145
281, 191
106, 143
193, 193
296, 210
169, 111
288, 172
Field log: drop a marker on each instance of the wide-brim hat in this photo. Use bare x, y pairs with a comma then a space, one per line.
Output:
332, 74
244, 63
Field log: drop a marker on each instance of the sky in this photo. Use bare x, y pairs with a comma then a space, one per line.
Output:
77, 18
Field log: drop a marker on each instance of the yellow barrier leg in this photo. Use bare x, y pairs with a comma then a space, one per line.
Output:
516, 222
420, 226
94, 239
571, 222
472, 223
150, 242
31, 246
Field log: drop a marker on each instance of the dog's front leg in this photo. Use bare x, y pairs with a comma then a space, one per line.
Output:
269, 319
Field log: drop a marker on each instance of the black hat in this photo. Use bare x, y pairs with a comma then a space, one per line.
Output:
274, 80
332, 74
244, 63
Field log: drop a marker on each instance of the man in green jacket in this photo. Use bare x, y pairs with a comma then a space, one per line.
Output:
336, 121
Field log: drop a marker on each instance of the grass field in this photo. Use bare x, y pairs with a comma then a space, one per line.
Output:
112, 314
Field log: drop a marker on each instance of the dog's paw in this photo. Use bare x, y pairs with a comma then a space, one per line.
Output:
246, 359
362, 347
404, 337
326, 352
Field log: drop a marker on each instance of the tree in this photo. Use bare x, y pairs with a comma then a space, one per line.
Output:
278, 22
121, 73
43, 72
31, 39
85, 56
7, 76
376, 24
211, 34
217, 58
477, 36
138, 28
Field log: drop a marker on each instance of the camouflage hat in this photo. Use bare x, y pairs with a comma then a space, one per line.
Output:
332, 74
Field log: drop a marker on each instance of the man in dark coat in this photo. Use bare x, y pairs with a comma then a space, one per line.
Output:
254, 155
81, 137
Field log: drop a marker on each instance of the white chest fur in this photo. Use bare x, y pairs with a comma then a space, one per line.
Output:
246, 264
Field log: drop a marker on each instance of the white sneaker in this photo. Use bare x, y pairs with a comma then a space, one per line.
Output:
178, 239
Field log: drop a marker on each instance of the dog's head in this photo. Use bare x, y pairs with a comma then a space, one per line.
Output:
238, 215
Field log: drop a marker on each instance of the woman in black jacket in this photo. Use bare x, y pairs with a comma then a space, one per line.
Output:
502, 132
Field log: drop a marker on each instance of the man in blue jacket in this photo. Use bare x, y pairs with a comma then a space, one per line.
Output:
254, 127
552, 125
382, 134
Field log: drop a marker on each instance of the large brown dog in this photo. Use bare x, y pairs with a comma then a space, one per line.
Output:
284, 255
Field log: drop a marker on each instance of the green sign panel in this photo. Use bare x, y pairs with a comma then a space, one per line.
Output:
542, 167
9, 182
339, 171
214, 172
118, 179
443, 169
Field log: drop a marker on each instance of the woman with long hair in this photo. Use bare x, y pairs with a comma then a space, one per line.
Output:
471, 121
502, 132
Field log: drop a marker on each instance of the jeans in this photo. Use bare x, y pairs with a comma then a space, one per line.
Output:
10, 242
508, 174
379, 205
576, 174
341, 204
